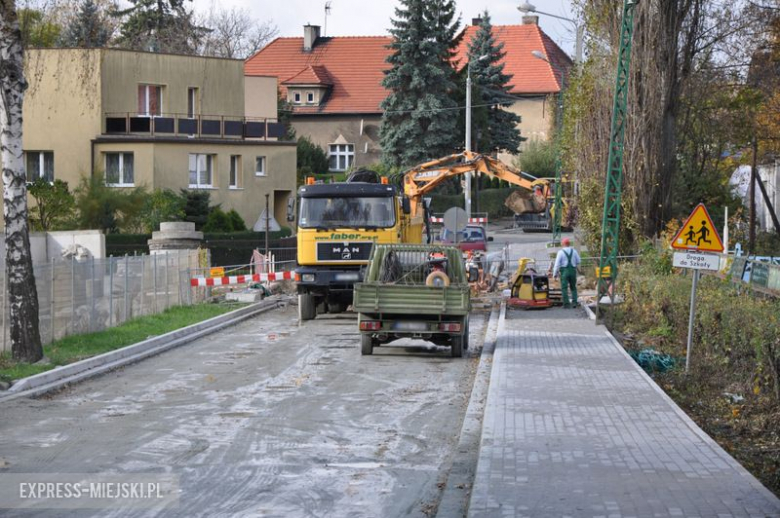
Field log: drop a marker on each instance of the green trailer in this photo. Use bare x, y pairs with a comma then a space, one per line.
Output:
414, 291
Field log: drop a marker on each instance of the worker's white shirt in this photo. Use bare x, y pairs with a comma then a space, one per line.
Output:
561, 260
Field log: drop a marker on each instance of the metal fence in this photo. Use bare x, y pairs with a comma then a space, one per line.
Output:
96, 294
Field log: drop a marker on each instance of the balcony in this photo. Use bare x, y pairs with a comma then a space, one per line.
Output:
201, 126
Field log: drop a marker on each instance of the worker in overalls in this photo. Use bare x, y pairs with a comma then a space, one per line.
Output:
566, 263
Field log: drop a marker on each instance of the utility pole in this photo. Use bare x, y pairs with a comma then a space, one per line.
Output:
752, 195
267, 217
610, 227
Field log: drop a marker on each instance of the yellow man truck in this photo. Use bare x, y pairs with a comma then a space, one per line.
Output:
338, 226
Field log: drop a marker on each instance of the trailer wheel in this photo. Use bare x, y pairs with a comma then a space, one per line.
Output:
306, 308
366, 345
457, 346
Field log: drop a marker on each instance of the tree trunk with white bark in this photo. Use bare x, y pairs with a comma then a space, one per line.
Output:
21, 292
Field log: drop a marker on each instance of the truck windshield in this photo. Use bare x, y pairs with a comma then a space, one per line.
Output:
347, 212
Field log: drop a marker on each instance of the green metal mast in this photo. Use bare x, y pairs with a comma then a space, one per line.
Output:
610, 227
558, 204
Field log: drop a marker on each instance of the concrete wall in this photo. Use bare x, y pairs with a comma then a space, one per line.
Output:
324, 130
62, 107
92, 240
46, 246
260, 97
219, 81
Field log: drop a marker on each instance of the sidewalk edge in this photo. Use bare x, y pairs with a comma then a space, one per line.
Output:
456, 496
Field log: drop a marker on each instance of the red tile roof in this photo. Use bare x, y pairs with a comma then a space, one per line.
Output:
353, 66
311, 75
530, 75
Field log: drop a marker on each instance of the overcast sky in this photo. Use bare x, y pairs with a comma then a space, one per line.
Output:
372, 17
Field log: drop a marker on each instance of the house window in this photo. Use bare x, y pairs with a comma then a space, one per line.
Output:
120, 169
297, 97
201, 167
149, 100
341, 156
260, 166
309, 97
235, 181
192, 102
40, 164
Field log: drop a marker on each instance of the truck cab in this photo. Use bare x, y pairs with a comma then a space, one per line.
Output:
338, 226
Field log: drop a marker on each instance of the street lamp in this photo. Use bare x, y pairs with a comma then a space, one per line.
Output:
579, 29
558, 204
468, 131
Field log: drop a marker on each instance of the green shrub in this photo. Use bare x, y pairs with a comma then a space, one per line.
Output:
109, 209
735, 334
236, 221
162, 205
218, 221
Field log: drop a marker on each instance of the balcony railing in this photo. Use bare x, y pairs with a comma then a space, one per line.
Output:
202, 126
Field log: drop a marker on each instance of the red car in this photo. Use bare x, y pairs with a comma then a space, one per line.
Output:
473, 237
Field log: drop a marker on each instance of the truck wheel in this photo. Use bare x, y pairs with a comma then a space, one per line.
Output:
336, 307
306, 308
366, 345
457, 346
466, 334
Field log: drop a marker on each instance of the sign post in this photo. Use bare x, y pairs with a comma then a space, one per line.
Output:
696, 237
691, 319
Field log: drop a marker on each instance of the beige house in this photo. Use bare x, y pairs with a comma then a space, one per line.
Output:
158, 120
335, 85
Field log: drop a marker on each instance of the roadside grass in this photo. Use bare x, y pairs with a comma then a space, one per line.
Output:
78, 347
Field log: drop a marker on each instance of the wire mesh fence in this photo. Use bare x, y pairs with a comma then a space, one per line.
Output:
96, 294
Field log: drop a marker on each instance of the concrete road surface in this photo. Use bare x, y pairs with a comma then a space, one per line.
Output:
268, 418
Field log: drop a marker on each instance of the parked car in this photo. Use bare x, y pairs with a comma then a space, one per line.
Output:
473, 237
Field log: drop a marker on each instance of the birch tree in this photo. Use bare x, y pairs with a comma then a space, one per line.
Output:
20, 285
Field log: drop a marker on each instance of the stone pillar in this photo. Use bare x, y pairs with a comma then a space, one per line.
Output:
178, 235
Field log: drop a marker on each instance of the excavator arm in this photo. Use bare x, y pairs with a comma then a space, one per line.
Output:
425, 177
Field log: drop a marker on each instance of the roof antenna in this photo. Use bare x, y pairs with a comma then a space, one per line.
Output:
327, 13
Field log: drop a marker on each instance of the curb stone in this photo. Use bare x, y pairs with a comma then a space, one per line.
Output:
60, 377
457, 491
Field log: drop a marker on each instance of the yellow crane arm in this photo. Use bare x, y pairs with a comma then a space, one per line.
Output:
423, 178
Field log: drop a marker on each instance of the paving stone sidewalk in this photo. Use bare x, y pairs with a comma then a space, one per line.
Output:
573, 427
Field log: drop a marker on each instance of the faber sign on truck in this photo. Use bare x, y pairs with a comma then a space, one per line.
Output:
696, 237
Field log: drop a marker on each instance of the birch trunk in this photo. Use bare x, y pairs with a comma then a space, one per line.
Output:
22, 295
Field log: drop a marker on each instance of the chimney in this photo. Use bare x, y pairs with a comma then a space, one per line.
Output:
530, 19
476, 21
310, 35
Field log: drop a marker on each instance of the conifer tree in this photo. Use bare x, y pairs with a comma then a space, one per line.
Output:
160, 26
491, 88
88, 29
420, 116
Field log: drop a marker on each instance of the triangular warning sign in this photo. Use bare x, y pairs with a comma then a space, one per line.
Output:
698, 233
